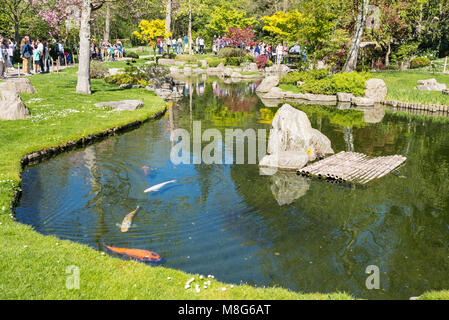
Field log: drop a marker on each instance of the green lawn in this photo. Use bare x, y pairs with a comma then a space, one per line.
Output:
33, 266
401, 86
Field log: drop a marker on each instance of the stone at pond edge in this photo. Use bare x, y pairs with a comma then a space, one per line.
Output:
293, 142
376, 89
268, 83
359, 101
129, 105
344, 97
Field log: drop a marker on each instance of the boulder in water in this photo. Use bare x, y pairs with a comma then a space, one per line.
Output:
293, 142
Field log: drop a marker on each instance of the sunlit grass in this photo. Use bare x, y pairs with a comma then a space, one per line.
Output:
401, 86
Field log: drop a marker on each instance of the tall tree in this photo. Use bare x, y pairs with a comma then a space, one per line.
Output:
16, 11
107, 26
351, 62
168, 13
83, 84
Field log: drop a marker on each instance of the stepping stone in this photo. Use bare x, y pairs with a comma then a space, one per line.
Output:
129, 105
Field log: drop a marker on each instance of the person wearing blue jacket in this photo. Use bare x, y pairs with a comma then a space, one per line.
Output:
26, 53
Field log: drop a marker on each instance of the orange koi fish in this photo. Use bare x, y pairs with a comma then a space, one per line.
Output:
139, 254
127, 220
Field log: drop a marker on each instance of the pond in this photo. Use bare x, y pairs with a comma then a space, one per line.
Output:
243, 227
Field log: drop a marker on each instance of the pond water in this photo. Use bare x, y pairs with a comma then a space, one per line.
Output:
232, 222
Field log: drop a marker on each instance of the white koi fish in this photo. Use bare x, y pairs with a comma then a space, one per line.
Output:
158, 186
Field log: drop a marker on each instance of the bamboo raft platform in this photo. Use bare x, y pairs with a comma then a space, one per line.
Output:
352, 167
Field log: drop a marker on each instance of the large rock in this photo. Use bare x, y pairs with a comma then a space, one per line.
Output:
19, 85
430, 85
279, 70
274, 93
344, 97
293, 142
252, 67
12, 106
165, 62
361, 101
268, 83
128, 105
168, 94
376, 89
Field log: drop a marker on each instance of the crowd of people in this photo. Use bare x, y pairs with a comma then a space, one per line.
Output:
179, 45
34, 55
277, 53
106, 51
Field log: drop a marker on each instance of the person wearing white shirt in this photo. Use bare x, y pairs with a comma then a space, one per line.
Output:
202, 46
279, 53
10, 50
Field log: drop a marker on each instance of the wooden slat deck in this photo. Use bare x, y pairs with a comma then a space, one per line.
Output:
352, 167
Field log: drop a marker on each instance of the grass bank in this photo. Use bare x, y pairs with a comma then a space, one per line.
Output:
33, 266
401, 86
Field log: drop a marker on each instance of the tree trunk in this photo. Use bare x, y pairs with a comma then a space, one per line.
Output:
190, 30
17, 35
285, 5
83, 85
387, 56
107, 29
351, 62
168, 15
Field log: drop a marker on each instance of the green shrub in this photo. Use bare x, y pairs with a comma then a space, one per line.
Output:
119, 79
305, 76
352, 82
213, 63
130, 54
233, 61
323, 86
419, 62
98, 70
231, 52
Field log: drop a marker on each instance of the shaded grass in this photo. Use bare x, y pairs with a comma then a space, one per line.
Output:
33, 266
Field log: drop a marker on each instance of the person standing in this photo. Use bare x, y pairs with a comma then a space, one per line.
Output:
26, 53
279, 53
3, 58
40, 47
168, 44
174, 44
36, 59
46, 57
202, 45
159, 45
11, 54
179, 45
186, 44
60, 52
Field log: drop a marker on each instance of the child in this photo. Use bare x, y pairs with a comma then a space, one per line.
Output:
36, 59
